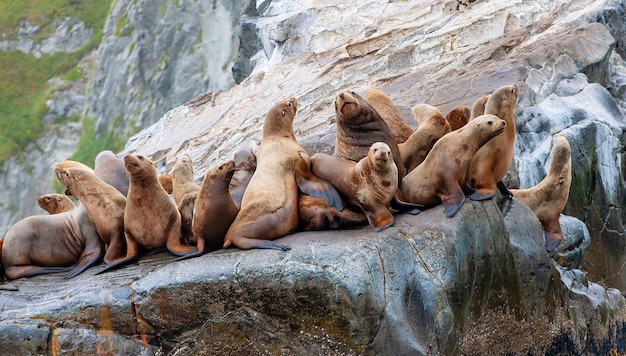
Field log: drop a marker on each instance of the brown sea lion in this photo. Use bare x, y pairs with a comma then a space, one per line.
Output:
151, 218
382, 103
245, 165
370, 184
358, 126
105, 206
215, 209
65, 242
110, 169
71, 163
548, 198
493, 160
316, 214
444, 171
55, 203
166, 183
432, 125
185, 190
458, 117
478, 108
269, 207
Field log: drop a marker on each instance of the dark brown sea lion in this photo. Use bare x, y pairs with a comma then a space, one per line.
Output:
548, 198
382, 103
269, 207
493, 160
55, 203
432, 125
166, 183
316, 214
458, 117
444, 171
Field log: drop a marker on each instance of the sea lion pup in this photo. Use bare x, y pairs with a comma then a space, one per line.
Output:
382, 103
548, 198
269, 207
110, 169
479, 106
370, 184
166, 182
105, 206
432, 125
458, 117
215, 210
444, 171
55, 203
245, 165
316, 214
40, 244
358, 126
493, 160
151, 218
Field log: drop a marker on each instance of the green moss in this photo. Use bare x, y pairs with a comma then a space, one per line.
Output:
122, 29
91, 143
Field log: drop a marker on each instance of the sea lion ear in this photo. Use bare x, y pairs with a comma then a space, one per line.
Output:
284, 112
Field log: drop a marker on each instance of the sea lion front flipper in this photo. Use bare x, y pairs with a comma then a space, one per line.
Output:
452, 202
477, 195
406, 207
379, 218
504, 189
245, 243
319, 188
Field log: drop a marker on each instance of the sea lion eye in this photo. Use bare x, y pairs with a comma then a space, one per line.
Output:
221, 167
490, 122
284, 112
353, 93
140, 157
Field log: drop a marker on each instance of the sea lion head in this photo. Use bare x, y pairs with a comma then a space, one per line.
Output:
54, 203
380, 155
183, 168
561, 154
71, 177
348, 105
487, 126
279, 120
166, 182
245, 159
139, 166
458, 117
223, 171
506, 96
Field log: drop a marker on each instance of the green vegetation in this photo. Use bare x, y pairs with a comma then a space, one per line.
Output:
91, 144
24, 78
121, 26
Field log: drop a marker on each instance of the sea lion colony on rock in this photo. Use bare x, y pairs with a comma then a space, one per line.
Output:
258, 198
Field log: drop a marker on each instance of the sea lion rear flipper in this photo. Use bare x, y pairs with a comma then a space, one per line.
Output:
92, 255
452, 202
504, 189
33, 270
245, 243
319, 188
379, 218
468, 190
480, 196
406, 207
119, 264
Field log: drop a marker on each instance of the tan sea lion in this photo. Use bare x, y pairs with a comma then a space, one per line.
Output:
444, 171
71, 163
458, 117
493, 160
166, 182
110, 169
382, 103
478, 108
269, 207
55, 203
548, 198
151, 218
358, 126
105, 206
245, 165
432, 125
185, 190
65, 242
316, 214
370, 184
215, 209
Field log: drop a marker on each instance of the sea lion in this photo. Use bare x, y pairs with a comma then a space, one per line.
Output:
110, 169
151, 218
382, 103
370, 184
359, 126
166, 182
182, 178
548, 198
39, 244
55, 203
432, 125
105, 206
245, 165
444, 171
478, 108
269, 207
458, 117
71, 163
316, 214
215, 209
493, 160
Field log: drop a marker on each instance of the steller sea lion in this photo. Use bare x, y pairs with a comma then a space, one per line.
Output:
432, 125
370, 184
358, 126
548, 198
166, 183
316, 214
151, 218
458, 117
110, 169
493, 160
382, 103
478, 108
269, 207
245, 165
444, 171
185, 190
55, 203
